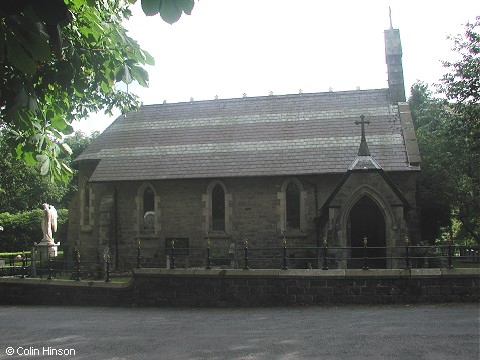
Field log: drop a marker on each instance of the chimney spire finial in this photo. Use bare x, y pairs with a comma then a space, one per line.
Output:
390, 16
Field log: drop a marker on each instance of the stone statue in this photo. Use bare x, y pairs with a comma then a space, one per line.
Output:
149, 220
106, 253
47, 248
49, 222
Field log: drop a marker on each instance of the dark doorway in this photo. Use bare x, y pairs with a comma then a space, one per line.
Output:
366, 220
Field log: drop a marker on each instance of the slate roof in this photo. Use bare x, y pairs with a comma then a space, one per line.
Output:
261, 136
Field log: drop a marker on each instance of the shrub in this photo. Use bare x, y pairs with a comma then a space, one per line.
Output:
21, 230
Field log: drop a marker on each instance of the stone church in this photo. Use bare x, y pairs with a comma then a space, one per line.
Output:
336, 167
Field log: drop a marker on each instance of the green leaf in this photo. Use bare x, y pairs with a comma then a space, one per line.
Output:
44, 168
149, 60
55, 38
151, 7
56, 133
55, 150
33, 40
37, 126
50, 114
140, 74
41, 140
21, 98
186, 6
18, 57
127, 77
28, 157
170, 11
19, 150
32, 104
58, 123
120, 74
68, 130
41, 158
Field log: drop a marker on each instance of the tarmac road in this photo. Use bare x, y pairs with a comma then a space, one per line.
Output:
449, 332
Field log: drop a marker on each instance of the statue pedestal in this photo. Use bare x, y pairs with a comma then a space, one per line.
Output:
46, 249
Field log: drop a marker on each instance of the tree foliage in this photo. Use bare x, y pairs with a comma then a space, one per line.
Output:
462, 83
21, 230
77, 142
170, 10
59, 61
23, 189
448, 133
430, 116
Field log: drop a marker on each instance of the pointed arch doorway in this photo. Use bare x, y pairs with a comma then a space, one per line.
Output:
367, 220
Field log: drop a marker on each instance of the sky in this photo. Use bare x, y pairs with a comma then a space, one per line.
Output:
228, 48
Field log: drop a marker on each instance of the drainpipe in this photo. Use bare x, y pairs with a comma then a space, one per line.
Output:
115, 225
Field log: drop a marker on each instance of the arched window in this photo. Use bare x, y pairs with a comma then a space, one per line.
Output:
291, 207
148, 211
292, 198
86, 202
218, 208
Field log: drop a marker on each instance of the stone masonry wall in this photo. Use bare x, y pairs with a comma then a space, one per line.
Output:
254, 212
237, 288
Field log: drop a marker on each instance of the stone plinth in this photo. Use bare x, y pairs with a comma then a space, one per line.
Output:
46, 249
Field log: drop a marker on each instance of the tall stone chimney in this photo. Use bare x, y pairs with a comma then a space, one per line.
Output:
393, 55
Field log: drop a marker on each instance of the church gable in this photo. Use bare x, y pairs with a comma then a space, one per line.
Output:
371, 184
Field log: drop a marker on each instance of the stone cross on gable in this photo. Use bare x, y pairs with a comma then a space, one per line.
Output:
363, 149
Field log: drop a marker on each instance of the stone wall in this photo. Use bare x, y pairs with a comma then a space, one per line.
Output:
234, 288
253, 207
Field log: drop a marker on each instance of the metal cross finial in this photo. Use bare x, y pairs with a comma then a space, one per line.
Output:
362, 122
363, 150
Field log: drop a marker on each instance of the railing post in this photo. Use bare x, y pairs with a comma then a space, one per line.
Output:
107, 275
77, 265
284, 253
245, 256
50, 268
450, 253
12, 265
138, 254
325, 255
365, 243
407, 255
24, 265
41, 264
208, 255
33, 262
172, 256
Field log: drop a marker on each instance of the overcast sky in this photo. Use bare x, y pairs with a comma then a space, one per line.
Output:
230, 47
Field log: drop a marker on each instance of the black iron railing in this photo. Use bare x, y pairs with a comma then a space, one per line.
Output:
247, 257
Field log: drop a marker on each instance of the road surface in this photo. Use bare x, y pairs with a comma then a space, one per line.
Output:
351, 332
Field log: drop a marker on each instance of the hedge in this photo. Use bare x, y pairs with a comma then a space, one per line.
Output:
21, 230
